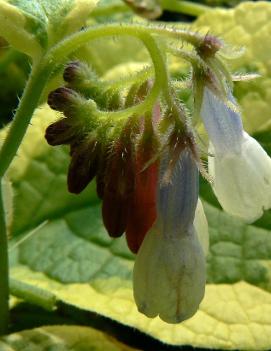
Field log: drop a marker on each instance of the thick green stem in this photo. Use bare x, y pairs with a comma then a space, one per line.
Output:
27, 105
4, 286
9, 149
186, 7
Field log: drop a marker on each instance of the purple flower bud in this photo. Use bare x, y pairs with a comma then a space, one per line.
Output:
63, 99
60, 132
83, 166
72, 72
209, 46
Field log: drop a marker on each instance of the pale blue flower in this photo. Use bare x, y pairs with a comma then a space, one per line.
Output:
239, 166
169, 271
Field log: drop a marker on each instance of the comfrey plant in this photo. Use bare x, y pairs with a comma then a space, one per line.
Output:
147, 165
138, 140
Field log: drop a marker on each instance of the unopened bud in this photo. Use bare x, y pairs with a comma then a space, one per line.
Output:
209, 46
79, 74
83, 166
118, 188
59, 133
62, 99
143, 203
72, 72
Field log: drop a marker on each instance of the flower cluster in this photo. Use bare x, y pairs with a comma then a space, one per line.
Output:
147, 172
117, 158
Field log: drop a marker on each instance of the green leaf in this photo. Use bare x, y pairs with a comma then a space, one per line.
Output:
71, 257
61, 338
33, 26
247, 26
39, 178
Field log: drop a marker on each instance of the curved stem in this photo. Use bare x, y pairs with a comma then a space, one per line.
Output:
80, 38
4, 286
186, 7
188, 56
69, 45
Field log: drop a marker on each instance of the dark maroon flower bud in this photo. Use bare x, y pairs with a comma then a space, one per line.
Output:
100, 177
60, 132
63, 99
83, 166
84, 80
142, 212
115, 212
209, 46
72, 72
74, 145
119, 183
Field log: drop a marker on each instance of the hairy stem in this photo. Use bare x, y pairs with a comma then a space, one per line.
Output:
27, 105
4, 286
140, 32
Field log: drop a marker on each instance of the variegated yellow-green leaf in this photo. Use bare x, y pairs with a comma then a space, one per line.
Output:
69, 257
61, 338
33, 26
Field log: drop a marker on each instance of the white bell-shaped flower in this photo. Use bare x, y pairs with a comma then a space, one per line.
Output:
169, 271
239, 166
242, 181
169, 275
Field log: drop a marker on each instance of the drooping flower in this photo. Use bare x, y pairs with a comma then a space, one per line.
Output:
142, 211
142, 208
169, 271
119, 179
239, 166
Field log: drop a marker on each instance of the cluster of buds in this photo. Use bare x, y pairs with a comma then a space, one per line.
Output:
147, 174
126, 176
